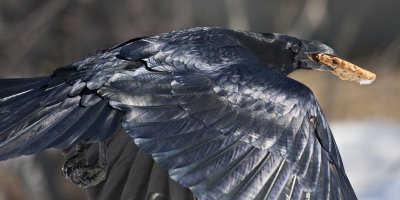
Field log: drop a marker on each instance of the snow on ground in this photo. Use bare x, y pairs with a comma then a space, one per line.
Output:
370, 150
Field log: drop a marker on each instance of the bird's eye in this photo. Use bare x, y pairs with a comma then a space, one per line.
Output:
295, 47
292, 46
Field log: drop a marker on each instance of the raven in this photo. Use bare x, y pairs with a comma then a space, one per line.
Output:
213, 108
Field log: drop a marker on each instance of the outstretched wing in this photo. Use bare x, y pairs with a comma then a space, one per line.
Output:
237, 132
232, 131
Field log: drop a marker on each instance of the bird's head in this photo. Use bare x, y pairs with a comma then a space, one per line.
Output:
286, 54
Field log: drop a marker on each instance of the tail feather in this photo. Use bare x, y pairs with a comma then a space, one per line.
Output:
38, 113
24, 108
15, 87
17, 97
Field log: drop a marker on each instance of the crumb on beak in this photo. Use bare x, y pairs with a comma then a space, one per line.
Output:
344, 69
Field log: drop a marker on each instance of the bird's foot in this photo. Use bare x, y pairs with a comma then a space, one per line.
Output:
80, 172
73, 165
88, 176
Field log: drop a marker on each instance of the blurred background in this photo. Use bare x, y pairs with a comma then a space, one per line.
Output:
38, 36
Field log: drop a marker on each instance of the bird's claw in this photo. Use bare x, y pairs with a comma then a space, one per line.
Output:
78, 170
89, 176
73, 165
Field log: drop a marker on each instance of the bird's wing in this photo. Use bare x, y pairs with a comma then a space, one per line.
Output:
133, 174
239, 132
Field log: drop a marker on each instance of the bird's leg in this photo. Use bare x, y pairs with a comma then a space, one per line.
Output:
93, 175
81, 173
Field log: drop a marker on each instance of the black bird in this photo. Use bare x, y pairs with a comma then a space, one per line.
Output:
212, 106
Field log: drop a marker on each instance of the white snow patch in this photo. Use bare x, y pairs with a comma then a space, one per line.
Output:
370, 150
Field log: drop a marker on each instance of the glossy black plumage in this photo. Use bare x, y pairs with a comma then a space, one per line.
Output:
213, 106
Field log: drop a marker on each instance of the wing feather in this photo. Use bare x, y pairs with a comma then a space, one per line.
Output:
203, 125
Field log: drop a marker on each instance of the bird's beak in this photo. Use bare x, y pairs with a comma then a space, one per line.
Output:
318, 56
310, 48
